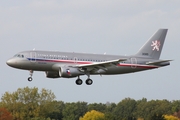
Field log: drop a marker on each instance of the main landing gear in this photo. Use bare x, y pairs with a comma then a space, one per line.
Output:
79, 81
88, 81
30, 78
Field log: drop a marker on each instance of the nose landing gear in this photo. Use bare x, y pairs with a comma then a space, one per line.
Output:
30, 78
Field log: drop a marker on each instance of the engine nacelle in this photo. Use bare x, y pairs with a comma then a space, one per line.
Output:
52, 74
68, 72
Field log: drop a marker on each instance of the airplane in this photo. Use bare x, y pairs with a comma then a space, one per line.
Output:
70, 64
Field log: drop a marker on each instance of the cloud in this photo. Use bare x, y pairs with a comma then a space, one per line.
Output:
79, 17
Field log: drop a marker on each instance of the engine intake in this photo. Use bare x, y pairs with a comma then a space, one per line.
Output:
52, 74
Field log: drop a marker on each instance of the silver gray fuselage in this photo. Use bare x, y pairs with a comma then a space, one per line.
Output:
50, 60
69, 64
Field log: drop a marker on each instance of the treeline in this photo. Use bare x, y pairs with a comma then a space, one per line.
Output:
33, 104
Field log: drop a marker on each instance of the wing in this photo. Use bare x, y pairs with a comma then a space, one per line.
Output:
99, 65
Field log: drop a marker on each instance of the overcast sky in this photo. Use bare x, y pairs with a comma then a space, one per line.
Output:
118, 27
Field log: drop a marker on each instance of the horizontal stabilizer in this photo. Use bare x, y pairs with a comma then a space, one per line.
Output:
159, 62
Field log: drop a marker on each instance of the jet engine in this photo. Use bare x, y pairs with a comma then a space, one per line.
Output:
52, 74
69, 72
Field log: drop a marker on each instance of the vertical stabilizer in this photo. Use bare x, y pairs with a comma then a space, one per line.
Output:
153, 47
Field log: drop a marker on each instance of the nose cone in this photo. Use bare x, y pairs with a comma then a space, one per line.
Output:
10, 62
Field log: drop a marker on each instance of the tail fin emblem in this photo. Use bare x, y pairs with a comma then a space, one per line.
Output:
156, 44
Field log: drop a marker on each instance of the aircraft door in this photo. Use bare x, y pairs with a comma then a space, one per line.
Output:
33, 56
75, 60
133, 63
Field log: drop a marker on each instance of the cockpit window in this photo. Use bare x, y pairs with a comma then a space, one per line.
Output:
19, 55
15, 55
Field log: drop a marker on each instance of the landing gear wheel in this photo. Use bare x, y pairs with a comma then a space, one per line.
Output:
89, 81
30, 79
79, 81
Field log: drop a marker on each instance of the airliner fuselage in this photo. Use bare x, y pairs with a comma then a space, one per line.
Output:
70, 64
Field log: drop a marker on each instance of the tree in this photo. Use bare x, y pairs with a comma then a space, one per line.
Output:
58, 114
109, 111
27, 103
97, 106
110, 116
73, 111
140, 112
93, 115
5, 115
176, 108
125, 110
110, 107
153, 110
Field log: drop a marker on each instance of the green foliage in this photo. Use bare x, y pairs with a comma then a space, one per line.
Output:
110, 116
125, 109
98, 107
33, 104
73, 111
153, 109
140, 109
110, 107
27, 103
176, 106
57, 112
